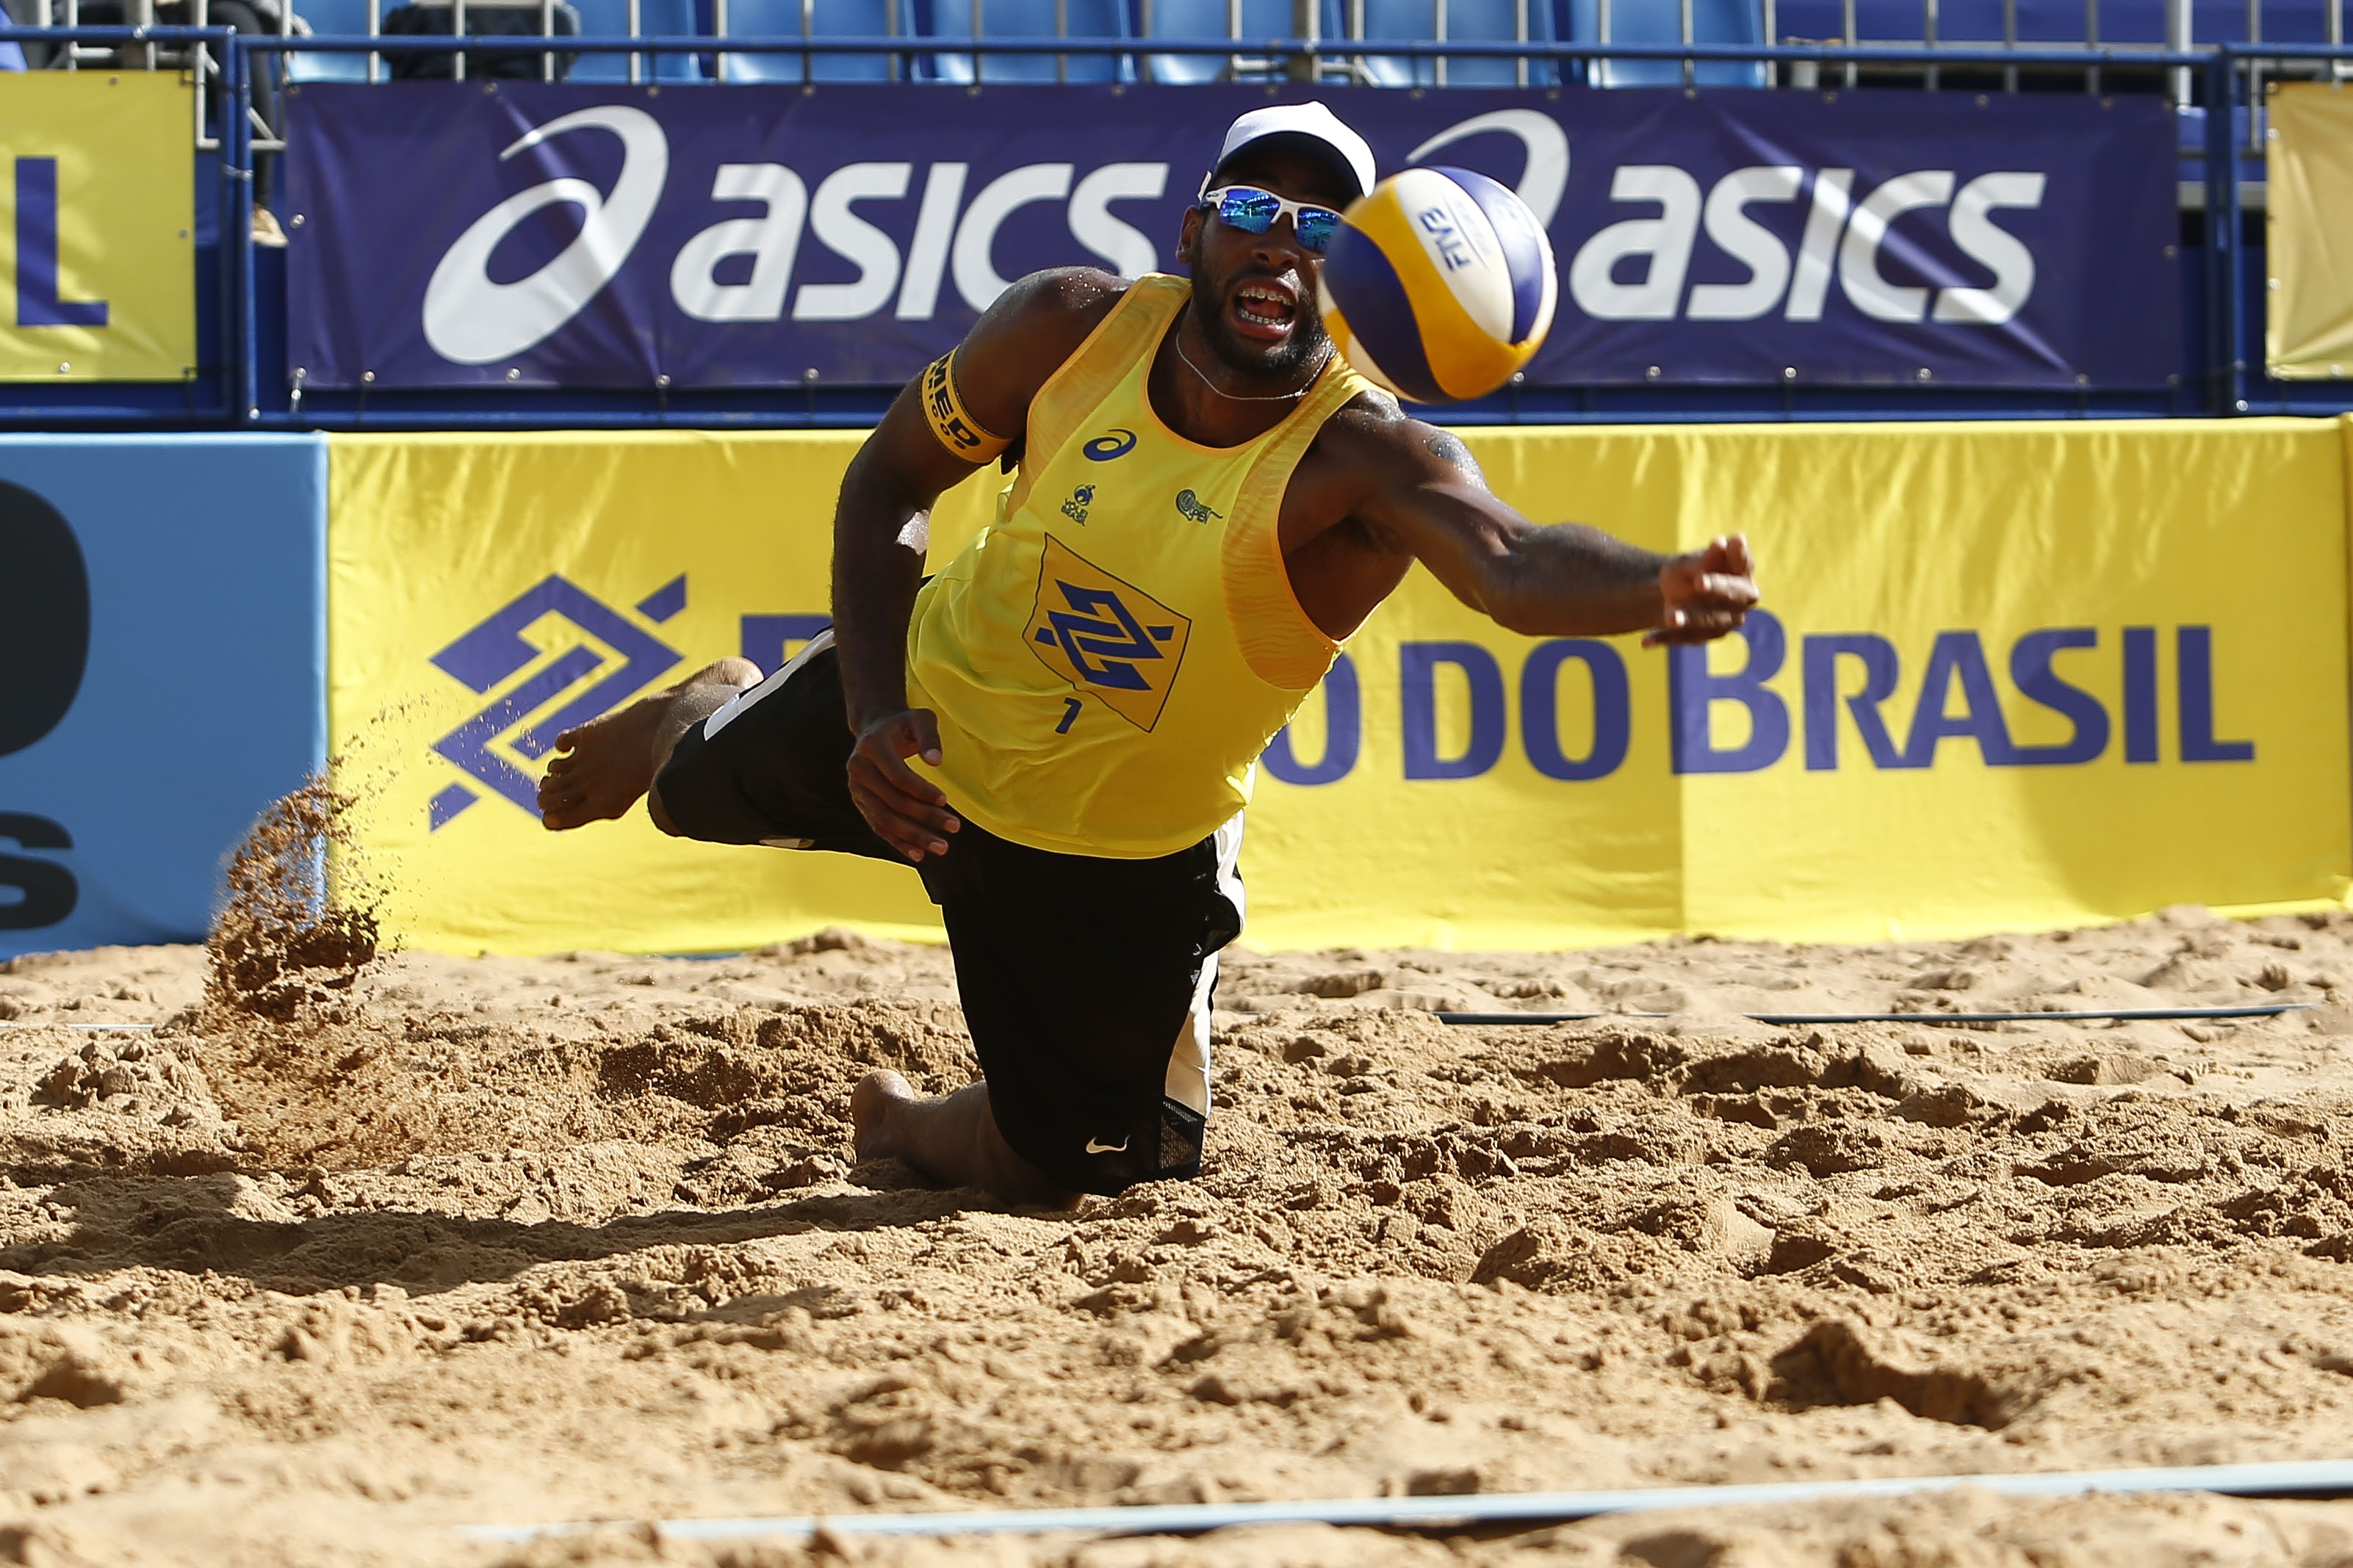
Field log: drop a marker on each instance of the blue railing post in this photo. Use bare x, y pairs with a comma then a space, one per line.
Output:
2225, 256
237, 145
226, 348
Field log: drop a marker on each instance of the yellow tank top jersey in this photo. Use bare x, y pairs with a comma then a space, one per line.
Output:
1109, 657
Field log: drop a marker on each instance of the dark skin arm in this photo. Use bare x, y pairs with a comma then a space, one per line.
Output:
1380, 490
881, 526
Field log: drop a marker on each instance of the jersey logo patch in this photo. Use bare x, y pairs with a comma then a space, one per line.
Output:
1106, 638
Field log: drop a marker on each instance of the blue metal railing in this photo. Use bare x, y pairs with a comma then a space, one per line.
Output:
2027, 57
2226, 75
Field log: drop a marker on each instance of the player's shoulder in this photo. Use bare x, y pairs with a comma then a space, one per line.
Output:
1057, 306
1373, 432
1026, 335
1372, 416
1077, 289
1069, 291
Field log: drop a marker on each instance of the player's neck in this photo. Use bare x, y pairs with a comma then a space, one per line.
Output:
1200, 397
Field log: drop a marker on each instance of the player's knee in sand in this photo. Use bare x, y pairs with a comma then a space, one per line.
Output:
951, 1139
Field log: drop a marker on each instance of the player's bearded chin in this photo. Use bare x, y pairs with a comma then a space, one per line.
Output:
1302, 349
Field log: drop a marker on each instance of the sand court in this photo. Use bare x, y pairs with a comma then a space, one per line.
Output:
510, 1239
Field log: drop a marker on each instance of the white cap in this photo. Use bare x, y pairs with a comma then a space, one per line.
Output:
1309, 128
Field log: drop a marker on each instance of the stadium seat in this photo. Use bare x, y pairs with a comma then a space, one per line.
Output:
335, 18
1660, 22
489, 20
2053, 21
656, 18
1978, 21
342, 19
825, 19
1259, 20
1089, 19
2190, 130
1477, 21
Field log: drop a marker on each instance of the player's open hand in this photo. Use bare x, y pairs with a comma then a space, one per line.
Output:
1708, 593
906, 808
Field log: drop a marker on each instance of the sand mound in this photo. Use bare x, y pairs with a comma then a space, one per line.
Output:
355, 1247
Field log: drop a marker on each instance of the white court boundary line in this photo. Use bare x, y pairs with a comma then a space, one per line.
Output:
2280, 1478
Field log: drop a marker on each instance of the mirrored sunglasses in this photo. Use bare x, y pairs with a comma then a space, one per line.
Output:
1254, 211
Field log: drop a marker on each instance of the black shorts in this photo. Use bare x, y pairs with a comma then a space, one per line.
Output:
1085, 981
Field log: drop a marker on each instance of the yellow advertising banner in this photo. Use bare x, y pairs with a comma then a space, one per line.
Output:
2010, 676
2308, 233
98, 278
486, 592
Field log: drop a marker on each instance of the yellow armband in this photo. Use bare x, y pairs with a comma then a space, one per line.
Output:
957, 430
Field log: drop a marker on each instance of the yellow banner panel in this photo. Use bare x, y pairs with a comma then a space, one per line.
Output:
97, 278
2308, 233
485, 592
2011, 676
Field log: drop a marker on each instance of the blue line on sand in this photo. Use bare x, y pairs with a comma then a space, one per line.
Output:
2297, 1477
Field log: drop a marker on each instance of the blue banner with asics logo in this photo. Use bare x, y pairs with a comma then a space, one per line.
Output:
540, 235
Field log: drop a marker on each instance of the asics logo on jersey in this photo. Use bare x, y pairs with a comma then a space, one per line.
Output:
1104, 636
1190, 506
1111, 444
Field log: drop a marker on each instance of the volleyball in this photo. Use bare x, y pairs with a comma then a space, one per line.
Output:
1438, 285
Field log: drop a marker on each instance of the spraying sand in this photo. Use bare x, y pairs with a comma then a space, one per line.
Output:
353, 1247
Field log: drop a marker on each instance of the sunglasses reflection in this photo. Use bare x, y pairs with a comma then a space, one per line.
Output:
1254, 211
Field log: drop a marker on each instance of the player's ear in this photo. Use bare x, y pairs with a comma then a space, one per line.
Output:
1189, 238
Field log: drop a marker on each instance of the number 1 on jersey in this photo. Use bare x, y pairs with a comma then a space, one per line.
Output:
1070, 718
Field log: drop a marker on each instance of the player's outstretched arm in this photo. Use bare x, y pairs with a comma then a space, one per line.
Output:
943, 427
1425, 494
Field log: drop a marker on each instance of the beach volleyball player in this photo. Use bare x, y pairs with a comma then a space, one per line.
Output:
1059, 730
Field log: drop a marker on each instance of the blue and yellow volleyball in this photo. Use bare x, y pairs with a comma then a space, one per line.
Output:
1438, 285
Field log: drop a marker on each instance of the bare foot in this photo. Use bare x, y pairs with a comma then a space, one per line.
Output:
951, 1139
605, 767
871, 1107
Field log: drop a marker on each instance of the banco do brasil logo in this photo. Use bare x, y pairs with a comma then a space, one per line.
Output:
1108, 638
610, 659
